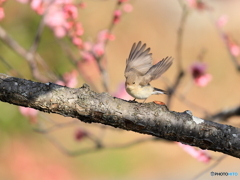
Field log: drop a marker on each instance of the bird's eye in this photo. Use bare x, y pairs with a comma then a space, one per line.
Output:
133, 82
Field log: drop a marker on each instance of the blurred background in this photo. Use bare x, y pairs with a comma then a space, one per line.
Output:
48, 146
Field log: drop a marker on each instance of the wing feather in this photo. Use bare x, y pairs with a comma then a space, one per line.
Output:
157, 70
139, 59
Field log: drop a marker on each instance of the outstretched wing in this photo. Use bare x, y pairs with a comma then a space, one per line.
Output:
139, 59
157, 70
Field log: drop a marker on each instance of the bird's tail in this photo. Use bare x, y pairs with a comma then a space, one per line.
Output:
159, 91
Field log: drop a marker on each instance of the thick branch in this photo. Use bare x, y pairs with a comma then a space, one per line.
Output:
148, 118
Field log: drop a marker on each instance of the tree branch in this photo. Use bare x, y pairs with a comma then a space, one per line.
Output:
148, 118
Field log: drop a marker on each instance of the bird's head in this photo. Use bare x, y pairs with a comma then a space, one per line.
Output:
132, 81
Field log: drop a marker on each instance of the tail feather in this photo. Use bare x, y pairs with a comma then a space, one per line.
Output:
160, 91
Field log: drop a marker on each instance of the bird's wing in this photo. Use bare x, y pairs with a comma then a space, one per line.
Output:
157, 70
139, 59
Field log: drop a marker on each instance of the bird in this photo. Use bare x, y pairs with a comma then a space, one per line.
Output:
140, 71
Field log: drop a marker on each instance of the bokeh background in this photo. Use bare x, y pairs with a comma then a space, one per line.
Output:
28, 154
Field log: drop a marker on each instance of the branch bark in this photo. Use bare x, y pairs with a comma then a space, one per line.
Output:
148, 118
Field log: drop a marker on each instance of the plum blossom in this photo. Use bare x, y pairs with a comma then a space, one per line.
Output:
98, 49
60, 16
77, 41
127, 8
71, 11
222, 21
38, 6
200, 155
197, 4
198, 72
80, 134
116, 17
2, 14
105, 35
69, 79
82, 5
88, 67
29, 113
60, 82
121, 92
234, 49
232, 45
122, 1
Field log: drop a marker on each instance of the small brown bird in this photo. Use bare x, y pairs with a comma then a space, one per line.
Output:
140, 72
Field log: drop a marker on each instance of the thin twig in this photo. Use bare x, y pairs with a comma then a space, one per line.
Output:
55, 127
179, 45
224, 38
105, 78
98, 146
74, 62
14, 71
224, 115
8, 40
192, 104
210, 167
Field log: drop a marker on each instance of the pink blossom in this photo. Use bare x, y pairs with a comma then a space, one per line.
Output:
82, 5
117, 15
111, 37
80, 134
200, 155
203, 80
59, 31
87, 56
87, 46
127, 7
198, 71
197, 4
98, 49
232, 45
29, 113
55, 18
25, 111
77, 41
121, 92
104, 35
70, 78
60, 16
2, 14
69, 25
38, 6
90, 70
71, 11
23, 1
235, 50
61, 83
122, 1
222, 21
79, 29
61, 2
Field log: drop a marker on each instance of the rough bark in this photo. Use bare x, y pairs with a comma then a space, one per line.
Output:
148, 118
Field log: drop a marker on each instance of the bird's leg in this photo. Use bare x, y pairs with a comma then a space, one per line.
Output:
142, 103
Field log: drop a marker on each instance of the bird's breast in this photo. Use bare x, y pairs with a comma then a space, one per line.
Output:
139, 92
